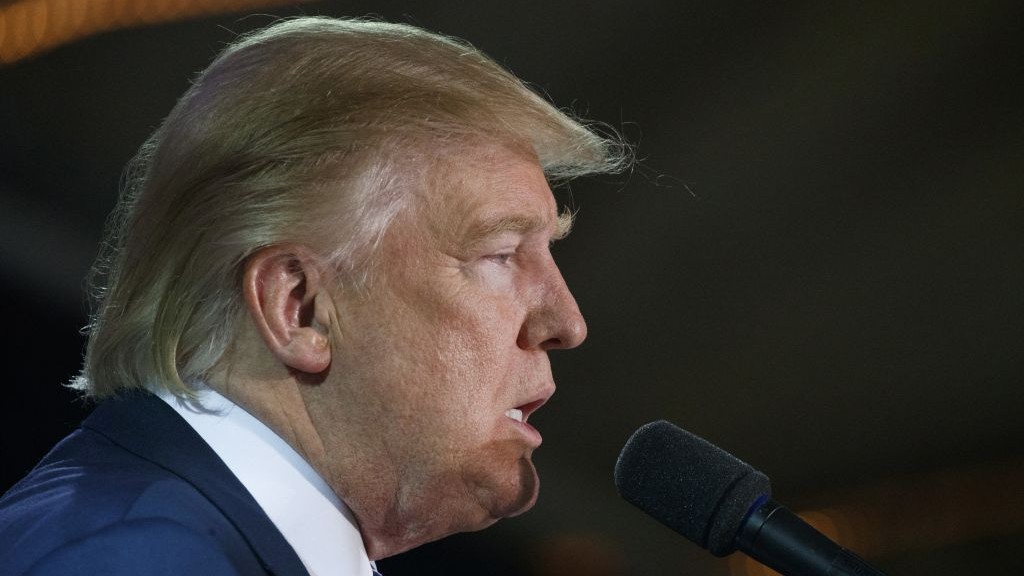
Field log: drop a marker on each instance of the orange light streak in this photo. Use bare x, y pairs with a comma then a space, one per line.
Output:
32, 27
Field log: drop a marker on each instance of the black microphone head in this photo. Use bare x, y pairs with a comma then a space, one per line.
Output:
688, 484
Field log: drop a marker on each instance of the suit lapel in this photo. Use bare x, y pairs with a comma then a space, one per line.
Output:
146, 426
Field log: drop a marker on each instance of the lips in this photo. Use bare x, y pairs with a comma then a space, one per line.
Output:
520, 414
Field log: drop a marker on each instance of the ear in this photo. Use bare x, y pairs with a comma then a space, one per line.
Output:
288, 302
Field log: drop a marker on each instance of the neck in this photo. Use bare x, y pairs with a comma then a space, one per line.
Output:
391, 515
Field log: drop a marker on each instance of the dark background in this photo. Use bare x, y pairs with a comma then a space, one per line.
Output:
818, 262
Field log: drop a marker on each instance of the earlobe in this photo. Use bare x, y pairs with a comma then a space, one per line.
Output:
289, 306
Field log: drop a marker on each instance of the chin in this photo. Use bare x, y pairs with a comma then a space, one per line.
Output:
498, 482
529, 484
488, 492
510, 494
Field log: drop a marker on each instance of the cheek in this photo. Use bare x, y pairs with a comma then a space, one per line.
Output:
446, 351
476, 346
494, 278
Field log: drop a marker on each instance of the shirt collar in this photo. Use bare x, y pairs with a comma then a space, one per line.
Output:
310, 516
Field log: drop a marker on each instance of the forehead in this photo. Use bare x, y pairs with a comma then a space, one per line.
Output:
488, 190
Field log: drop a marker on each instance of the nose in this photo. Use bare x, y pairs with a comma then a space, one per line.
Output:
554, 321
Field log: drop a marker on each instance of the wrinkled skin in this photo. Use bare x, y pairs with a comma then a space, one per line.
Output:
409, 419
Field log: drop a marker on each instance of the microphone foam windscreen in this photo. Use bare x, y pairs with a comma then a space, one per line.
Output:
688, 484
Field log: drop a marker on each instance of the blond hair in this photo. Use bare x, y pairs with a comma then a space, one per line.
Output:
307, 113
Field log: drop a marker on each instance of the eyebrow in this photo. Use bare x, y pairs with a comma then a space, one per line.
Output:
523, 225
563, 225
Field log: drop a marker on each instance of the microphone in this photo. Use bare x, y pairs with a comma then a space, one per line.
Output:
723, 504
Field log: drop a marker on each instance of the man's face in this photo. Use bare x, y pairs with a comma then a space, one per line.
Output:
446, 356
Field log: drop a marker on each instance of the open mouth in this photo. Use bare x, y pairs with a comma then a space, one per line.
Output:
522, 413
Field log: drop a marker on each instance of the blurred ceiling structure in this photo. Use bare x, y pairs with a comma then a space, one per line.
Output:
818, 262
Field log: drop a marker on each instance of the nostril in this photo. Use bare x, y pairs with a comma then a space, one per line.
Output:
564, 333
573, 333
555, 321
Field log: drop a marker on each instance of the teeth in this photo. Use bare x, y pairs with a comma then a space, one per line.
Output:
514, 414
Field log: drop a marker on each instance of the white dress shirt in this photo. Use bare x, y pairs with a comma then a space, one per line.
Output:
298, 501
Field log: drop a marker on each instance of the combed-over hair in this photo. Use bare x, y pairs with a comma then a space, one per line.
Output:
310, 131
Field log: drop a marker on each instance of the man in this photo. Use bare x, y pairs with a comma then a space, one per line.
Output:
324, 311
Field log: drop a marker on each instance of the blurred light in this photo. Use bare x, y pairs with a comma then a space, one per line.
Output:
30, 27
580, 555
743, 565
916, 512
77, 12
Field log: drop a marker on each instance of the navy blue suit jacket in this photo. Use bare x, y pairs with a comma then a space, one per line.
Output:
136, 491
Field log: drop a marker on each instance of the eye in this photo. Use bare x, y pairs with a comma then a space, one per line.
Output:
502, 258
